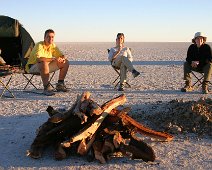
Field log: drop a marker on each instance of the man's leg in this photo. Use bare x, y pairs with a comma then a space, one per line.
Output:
63, 67
127, 63
123, 76
187, 77
207, 69
129, 66
123, 73
124, 60
44, 72
187, 72
43, 69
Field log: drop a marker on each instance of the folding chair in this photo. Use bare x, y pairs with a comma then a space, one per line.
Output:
31, 75
29, 79
117, 70
3, 74
199, 78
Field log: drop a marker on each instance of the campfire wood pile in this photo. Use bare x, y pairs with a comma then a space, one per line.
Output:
96, 132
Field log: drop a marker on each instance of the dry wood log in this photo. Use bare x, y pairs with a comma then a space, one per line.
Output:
126, 143
139, 150
51, 111
88, 132
77, 110
84, 105
84, 146
127, 120
97, 146
57, 117
94, 108
59, 153
107, 148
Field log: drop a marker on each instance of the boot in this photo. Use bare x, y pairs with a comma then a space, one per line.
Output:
187, 87
205, 87
135, 73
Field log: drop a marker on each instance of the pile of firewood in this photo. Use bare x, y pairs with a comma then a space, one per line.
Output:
98, 132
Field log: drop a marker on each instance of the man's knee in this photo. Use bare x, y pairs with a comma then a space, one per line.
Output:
208, 67
187, 67
66, 64
63, 65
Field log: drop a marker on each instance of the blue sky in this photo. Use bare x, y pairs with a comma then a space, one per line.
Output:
100, 20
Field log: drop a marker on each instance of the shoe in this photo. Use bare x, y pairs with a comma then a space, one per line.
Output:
48, 90
187, 89
205, 91
60, 87
2, 62
135, 73
205, 87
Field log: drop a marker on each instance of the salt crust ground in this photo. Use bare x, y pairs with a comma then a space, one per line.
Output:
160, 80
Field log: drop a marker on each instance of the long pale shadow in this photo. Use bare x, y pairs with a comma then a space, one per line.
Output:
146, 63
131, 91
17, 134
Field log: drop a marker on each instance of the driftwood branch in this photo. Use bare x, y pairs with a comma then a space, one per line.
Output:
77, 111
88, 132
127, 120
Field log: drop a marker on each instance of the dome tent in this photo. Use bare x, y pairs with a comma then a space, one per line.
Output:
15, 42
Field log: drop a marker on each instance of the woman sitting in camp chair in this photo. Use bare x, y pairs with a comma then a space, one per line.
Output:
120, 57
199, 59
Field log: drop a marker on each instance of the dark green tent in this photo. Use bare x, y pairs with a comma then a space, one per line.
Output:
15, 42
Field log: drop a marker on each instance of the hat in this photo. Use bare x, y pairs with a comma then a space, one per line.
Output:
199, 34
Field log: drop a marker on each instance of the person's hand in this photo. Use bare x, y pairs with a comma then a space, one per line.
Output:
194, 64
61, 60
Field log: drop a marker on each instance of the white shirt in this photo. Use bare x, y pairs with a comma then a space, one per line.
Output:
124, 52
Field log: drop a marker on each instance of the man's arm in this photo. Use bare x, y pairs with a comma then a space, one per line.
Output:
43, 59
113, 54
209, 54
190, 54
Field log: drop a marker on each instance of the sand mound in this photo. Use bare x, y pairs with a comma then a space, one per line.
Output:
178, 116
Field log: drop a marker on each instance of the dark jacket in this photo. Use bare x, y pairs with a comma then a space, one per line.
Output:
203, 54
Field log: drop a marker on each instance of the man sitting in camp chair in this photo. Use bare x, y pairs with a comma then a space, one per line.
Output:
199, 59
120, 57
46, 58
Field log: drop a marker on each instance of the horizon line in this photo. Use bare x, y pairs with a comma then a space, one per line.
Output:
125, 42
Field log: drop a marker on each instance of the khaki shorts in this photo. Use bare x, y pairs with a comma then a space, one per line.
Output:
52, 67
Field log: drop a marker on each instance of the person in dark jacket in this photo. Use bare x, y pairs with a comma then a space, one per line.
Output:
199, 59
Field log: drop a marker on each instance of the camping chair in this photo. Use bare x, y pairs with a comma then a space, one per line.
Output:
199, 78
117, 70
3, 74
31, 75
